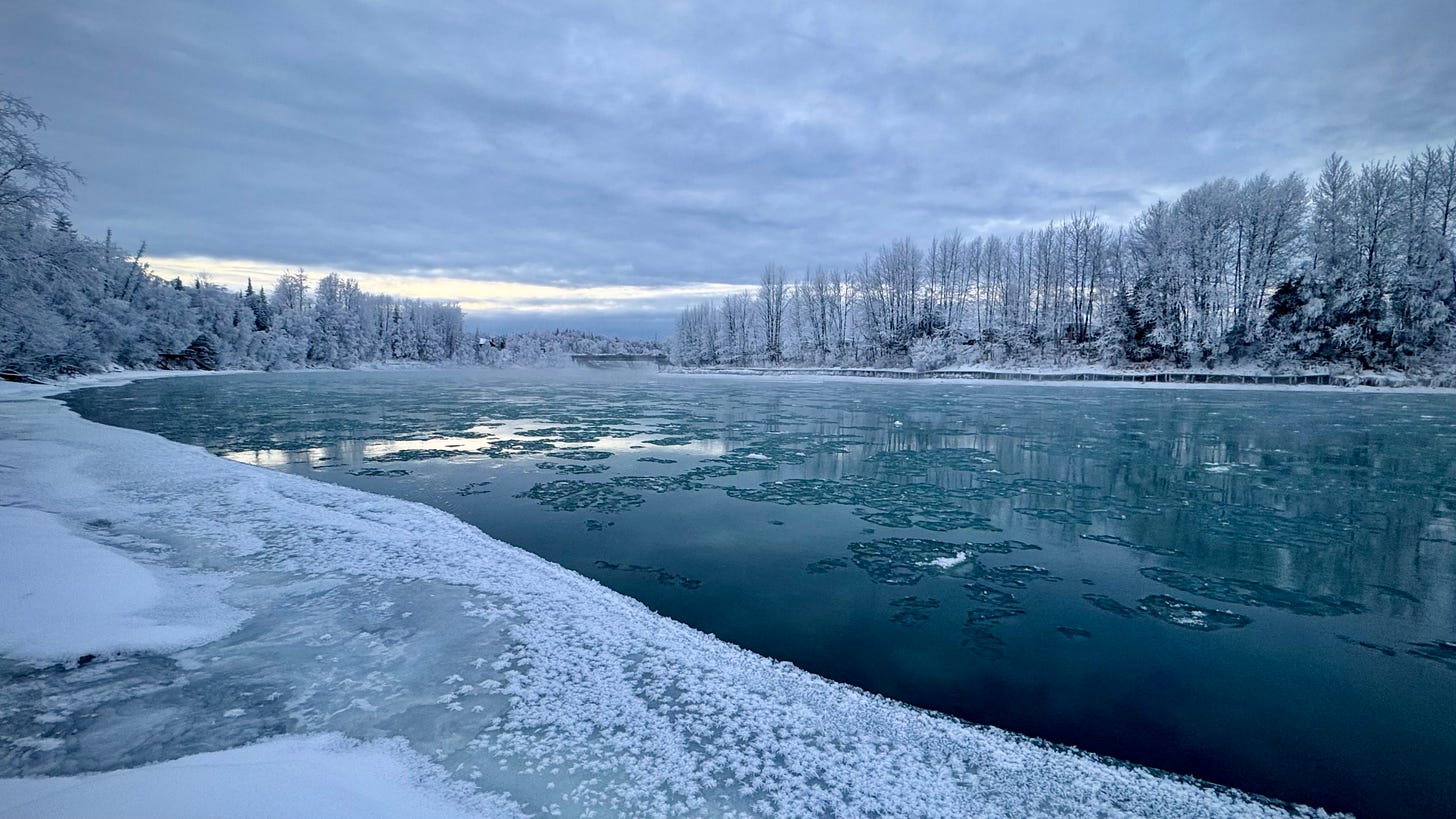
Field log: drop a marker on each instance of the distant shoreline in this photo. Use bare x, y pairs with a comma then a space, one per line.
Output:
1158, 377
1108, 378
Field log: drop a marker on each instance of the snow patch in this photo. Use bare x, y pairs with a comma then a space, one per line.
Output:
313, 777
63, 596
950, 562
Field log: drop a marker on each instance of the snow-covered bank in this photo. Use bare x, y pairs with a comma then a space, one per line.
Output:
1219, 379
63, 596
374, 617
314, 777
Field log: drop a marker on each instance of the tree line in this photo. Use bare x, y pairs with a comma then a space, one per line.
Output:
72, 304
1358, 271
554, 348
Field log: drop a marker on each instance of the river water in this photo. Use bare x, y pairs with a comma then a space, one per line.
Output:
1255, 587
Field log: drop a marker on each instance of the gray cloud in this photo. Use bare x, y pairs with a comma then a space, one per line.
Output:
636, 144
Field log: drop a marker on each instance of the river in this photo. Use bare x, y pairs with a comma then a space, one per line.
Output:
1254, 587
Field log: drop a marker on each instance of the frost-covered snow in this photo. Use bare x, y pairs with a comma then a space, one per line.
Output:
373, 617
315, 777
63, 596
951, 561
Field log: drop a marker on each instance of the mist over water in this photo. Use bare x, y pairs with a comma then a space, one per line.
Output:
1253, 587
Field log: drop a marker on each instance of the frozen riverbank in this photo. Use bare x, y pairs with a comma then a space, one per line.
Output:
309, 777
321, 609
1230, 378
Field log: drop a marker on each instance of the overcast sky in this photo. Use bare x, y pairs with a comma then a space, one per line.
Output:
508, 154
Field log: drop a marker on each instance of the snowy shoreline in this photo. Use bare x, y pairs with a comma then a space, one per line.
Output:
581, 700
1217, 379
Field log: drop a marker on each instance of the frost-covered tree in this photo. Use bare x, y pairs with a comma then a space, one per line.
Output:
1157, 297
550, 348
735, 329
695, 341
31, 183
891, 289
72, 304
1357, 271
1271, 215
1423, 279
773, 294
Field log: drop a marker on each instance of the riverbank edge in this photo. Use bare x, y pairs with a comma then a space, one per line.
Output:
1110, 377
1130, 377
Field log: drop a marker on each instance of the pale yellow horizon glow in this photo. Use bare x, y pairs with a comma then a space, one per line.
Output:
494, 295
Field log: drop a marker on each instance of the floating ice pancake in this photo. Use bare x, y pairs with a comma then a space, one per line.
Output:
1189, 615
1115, 540
573, 468
1045, 486
579, 455
1003, 547
894, 505
987, 596
912, 611
511, 449
658, 483
578, 434
904, 561
826, 565
1252, 593
1110, 605
422, 455
990, 605
663, 576
1066, 517
1014, 577
769, 452
569, 495
793, 491
915, 463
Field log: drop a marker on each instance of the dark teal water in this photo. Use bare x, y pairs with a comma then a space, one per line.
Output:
1257, 588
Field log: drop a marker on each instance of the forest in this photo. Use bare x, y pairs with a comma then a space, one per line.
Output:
72, 304
1356, 273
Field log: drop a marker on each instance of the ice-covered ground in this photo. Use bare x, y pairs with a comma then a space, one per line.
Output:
228, 606
308, 777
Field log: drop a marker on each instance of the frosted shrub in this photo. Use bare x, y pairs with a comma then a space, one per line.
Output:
933, 353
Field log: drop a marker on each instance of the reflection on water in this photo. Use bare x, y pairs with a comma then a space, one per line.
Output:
1258, 588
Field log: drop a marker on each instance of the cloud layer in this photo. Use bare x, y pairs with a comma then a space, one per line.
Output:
666, 144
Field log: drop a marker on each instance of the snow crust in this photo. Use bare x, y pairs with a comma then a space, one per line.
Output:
525, 679
63, 596
316, 777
